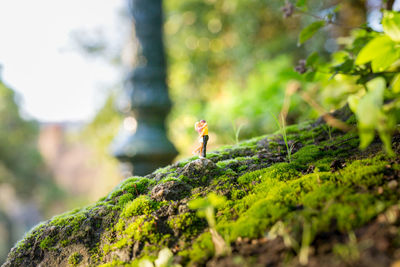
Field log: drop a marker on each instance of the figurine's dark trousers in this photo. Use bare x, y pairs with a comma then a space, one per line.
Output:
205, 140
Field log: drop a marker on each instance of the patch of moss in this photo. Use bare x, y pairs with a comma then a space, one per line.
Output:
182, 163
288, 192
139, 206
189, 224
222, 164
202, 249
124, 199
74, 259
277, 193
168, 179
47, 242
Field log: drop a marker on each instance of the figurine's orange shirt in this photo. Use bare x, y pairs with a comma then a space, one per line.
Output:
205, 130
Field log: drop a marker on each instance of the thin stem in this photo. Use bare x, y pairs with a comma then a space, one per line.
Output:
326, 20
356, 74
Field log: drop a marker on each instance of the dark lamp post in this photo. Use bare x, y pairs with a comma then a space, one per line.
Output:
142, 140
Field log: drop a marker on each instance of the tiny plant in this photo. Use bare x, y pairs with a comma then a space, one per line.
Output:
74, 259
206, 208
165, 259
303, 248
236, 131
328, 129
282, 129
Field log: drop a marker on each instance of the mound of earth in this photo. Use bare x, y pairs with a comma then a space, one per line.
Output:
326, 203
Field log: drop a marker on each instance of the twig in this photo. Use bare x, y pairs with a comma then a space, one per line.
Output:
329, 119
329, 21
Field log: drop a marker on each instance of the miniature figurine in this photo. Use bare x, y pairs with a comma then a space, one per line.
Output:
202, 128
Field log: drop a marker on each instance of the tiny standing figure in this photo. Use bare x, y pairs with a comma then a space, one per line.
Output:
202, 128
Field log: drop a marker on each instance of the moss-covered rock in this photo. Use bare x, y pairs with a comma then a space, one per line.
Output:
330, 205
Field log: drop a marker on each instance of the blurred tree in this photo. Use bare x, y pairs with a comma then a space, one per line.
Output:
25, 185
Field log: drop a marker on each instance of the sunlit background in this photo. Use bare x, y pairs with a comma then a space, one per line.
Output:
230, 62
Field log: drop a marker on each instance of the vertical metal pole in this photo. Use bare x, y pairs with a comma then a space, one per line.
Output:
142, 140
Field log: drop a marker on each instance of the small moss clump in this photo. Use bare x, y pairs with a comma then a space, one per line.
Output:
47, 242
74, 259
139, 206
124, 199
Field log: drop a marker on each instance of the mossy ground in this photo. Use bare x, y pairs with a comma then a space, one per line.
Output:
309, 210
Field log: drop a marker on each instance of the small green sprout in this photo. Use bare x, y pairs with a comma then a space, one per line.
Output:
206, 208
165, 259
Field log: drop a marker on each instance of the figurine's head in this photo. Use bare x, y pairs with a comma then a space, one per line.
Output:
203, 121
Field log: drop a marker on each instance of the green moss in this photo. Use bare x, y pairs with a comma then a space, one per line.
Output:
168, 179
143, 228
73, 220
237, 194
64, 243
230, 172
212, 155
124, 199
306, 155
139, 206
251, 177
327, 200
163, 170
114, 263
137, 185
282, 171
187, 223
222, 164
243, 168
186, 161
74, 259
47, 242
201, 251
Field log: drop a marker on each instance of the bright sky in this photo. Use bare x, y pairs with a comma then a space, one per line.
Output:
39, 59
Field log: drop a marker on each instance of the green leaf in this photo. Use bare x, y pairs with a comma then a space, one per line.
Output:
345, 67
198, 203
366, 137
391, 24
377, 47
309, 31
312, 59
384, 61
353, 101
309, 76
386, 127
369, 111
396, 83
216, 200
376, 87
301, 3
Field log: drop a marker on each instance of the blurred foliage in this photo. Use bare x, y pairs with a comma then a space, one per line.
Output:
367, 71
26, 187
21, 165
98, 135
222, 67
